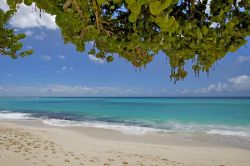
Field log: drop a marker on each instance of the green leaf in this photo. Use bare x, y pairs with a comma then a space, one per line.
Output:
204, 30
101, 1
166, 24
110, 59
156, 6
92, 51
28, 2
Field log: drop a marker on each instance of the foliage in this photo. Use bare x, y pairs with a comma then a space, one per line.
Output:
10, 44
137, 30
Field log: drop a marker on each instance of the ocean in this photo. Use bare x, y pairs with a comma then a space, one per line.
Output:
211, 116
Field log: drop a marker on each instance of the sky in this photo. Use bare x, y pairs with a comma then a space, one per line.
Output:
57, 69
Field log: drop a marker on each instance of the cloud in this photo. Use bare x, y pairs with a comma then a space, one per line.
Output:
96, 60
28, 17
40, 36
29, 47
138, 91
63, 89
220, 87
3, 5
29, 32
176, 92
10, 75
66, 90
61, 57
237, 85
64, 68
234, 84
240, 83
208, 7
242, 59
46, 57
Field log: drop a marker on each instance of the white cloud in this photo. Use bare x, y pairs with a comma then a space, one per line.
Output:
3, 5
66, 90
136, 91
234, 84
208, 7
64, 68
27, 17
29, 32
63, 89
174, 92
214, 25
92, 43
220, 87
37, 36
61, 57
40, 36
46, 57
96, 60
29, 47
243, 59
183, 91
9, 75
240, 83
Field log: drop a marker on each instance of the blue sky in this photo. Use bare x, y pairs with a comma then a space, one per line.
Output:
57, 69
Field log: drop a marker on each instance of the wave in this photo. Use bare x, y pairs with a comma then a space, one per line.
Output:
171, 127
126, 129
9, 115
229, 133
136, 127
211, 129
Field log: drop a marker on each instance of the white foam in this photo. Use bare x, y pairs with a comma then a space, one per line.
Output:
170, 126
228, 133
8, 115
134, 130
173, 127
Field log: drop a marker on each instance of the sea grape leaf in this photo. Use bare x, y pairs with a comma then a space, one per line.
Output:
157, 6
137, 30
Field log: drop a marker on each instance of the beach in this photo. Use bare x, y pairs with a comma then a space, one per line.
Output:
124, 83
30, 142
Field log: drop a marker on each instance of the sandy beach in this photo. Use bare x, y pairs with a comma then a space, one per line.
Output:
26, 143
124, 83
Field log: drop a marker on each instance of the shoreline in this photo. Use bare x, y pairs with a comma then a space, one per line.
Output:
153, 137
102, 146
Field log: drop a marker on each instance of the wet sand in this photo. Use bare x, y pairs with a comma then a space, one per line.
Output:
26, 143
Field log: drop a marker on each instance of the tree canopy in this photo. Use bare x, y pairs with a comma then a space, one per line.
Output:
10, 44
138, 30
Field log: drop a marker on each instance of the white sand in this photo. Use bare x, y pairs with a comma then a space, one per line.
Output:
30, 143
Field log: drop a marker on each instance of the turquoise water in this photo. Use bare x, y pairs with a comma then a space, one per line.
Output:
228, 116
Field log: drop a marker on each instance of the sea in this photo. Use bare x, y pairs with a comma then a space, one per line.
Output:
208, 116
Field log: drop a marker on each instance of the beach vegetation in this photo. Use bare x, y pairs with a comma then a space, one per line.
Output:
138, 30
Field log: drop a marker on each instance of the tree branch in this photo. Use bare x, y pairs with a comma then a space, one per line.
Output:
97, 16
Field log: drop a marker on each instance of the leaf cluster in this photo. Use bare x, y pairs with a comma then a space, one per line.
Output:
10, 44
137, 30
